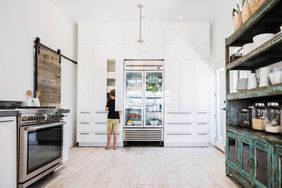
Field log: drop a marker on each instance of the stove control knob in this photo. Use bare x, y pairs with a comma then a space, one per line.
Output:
61, 116
24, 118
45, 116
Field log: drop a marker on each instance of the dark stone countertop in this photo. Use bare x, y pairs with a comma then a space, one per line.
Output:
6, 113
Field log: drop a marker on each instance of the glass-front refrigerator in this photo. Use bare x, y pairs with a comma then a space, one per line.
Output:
143, 101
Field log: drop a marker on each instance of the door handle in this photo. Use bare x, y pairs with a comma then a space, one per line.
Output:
6, 121
35, 128
223, 109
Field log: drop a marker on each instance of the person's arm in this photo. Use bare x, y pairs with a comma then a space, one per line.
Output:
119, 115
107, 106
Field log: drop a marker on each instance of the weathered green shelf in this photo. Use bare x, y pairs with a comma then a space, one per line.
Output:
267, 54
255, 93
266, 20
269, 138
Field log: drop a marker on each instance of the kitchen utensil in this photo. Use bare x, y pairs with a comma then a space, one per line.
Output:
242, 84
252, 81
248, 48
262, 38
275, 77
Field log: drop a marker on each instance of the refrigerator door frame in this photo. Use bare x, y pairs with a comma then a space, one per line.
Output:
145, 97
125, 99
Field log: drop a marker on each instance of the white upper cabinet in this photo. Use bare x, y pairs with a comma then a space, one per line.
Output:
186, 86
85, 51
84, 84
202, 85
85, 33
108, 51
108, 33
179, 51
172, 86
179, 34
99, 84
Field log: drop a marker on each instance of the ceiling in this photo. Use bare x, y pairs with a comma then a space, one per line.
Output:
126, 10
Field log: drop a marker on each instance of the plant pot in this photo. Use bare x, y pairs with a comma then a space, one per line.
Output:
237, 21
246, 12
254, 5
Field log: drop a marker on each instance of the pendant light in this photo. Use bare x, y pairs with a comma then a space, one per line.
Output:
140, 40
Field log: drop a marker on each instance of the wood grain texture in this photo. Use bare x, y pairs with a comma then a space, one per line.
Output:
146, 167
49, 77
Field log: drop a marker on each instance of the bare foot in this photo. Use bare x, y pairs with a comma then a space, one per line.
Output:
107, 147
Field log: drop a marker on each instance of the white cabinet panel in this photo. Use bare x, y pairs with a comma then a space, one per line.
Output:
119, 85
84, 126
108, 34
108, 51
99, 84
202, 51
171, 86
202, 116
100, 116
202, 76
179, 127
85, 115
179, 51
85, 51
202, 35
186, 86
8, 157
201, 127
201, 138
85, 88
173, 117
178, 139
84, 136
179, 35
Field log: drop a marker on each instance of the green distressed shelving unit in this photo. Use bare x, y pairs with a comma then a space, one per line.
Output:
254, 158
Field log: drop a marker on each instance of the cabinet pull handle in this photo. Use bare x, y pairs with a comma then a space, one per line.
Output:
202, 113
85, 123
202, 123
101, 112
176, 134
6, 121
100, 123
85, 112
202, 134
84, 133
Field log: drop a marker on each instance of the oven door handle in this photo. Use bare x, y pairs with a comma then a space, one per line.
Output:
35, 128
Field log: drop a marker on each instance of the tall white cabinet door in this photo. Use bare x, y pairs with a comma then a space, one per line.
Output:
84, 77
99, 84
172, 86
119, 85
8, 157
186, 86
202, 85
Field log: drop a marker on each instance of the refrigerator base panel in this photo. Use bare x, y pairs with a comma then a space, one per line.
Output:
143, 134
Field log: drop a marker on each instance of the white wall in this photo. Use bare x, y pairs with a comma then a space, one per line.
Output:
21, 22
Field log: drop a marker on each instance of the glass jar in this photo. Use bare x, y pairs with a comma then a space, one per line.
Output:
245, 117
273, 113
258, 116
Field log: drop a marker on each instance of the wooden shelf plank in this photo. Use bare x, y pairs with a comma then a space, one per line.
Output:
264, 55
258, 23
255, 93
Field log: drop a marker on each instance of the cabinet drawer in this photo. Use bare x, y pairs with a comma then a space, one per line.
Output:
172, 117
101, 137
176, 138
179, 127
201, 127
202, 137
84, 136
201, 116
85, 115
100, 116
84, 126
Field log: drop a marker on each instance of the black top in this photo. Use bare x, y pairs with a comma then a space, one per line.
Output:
112, 113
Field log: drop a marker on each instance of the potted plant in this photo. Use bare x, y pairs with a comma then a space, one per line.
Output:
254, 5
237, 17
246, 10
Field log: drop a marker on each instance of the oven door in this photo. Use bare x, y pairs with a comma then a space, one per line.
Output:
41, 147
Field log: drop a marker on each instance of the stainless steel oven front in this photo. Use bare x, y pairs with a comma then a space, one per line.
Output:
41, 148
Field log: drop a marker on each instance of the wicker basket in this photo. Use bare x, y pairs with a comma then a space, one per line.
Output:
237, 21
246, 12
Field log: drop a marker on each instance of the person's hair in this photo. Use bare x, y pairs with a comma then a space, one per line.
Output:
112, 93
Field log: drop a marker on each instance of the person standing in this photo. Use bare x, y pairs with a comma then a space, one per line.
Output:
113, 120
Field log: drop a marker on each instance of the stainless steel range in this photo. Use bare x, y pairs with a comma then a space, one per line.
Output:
40, 143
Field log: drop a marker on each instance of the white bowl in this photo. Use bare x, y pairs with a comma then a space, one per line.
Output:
275, 77
262, 38
248, 48
242, 84
154, 122
271, 129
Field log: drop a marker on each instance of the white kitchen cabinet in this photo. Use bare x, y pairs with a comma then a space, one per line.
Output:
85, 85
108, 51
186, 86
202, 85
172, 86
85, 51
8, 157
179, 51
99, 84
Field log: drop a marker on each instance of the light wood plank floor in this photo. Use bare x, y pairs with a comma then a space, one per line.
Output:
141, 167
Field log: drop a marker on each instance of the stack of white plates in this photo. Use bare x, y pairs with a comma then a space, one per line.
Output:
242, 84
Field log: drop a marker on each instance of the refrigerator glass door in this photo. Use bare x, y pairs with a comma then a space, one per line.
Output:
134, 99
154, 99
